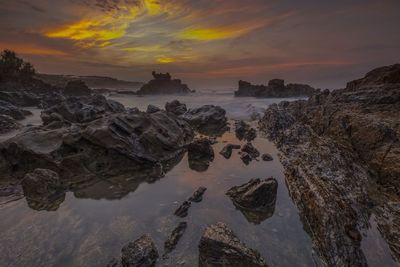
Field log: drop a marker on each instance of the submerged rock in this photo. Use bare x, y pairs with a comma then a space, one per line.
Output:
219, 246
142, 252
183, 209
255, 199
174, 238
200, 154
198, 195
163, 84
227, 150
207, 119
175, 107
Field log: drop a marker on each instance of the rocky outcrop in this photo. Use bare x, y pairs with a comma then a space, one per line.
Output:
275, 88
200, 154
163, 84
255, 199
81, 109
76, 88
175, 107
142, 252
219, 246
208, 119
336, 146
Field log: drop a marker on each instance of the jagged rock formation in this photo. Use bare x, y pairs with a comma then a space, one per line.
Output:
334, 147
175, 107
163, 84
275, 88
219, 246
208, 119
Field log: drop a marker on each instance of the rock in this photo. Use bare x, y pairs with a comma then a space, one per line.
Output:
20, 98
267, 157
251, 150
76, 88
200, 154
114, 263
198, 195
9, 109
183, 209
173, 239
275, 88
207, 119
8, 124
379, 76
244, 131
81, 109
152, 109
227, 150
219, 246
43, 190
163, 84
255, 199
246, 158
142, 252
175, 107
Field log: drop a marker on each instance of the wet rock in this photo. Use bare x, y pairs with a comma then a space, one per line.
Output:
152, 109
81, 109
255, 199
50, 100
198, 195
207, 119
43, 190
76, 88
163, 84
246, 158
142, 252
9, 109
183, 209
251, 150
244, 131
20, 98
200, 154
267, 157
8, 124
227, 150
175, 107
219, 246
174, 238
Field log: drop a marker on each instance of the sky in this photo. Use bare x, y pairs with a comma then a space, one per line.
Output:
206, 43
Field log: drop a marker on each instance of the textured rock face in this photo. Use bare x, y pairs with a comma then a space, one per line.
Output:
21, 99
81, 109
108, 146
275, 88
8, 124
207, 119
163, 84
152, 109
76, 88
334, 147
379, 76
175, 107
9, 109
219, 246
140, 253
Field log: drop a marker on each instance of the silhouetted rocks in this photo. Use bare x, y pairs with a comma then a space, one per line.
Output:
244, 131
333, 147
174, 238
81, 109
219, 246
198, 195
200, 154
142, 252
152, 109
76, 88
267, 157
275, 88
175, 107
183, 209
163, 84
208, 119
255, 199
227, 150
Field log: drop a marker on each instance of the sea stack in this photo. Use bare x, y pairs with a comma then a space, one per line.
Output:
163, 84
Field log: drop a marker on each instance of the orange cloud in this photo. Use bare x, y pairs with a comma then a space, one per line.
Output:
32, 49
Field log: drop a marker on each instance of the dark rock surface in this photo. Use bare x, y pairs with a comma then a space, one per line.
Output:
335, 147
208, 119
251, 150
198, 195
244, 131
152, 109
76, 88
81, 109
140, 253
20, 98
8, 124
267, 157
174, 238
227, 150
163, 84
175, 107
255, 199
200, 154
275, 88
183, 209
9, 109
219, 246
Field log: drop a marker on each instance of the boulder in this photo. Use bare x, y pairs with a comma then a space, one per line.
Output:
200, 154
76, 88
81, 109
208, 119
255, 199
175, 107
246, 158
163, 84
152, 109
219, 246
244, 131
142, 252
251, 150
174, 238
227, 150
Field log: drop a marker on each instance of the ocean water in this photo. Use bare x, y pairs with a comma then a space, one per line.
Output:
90, 224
